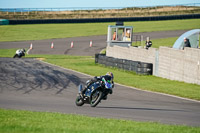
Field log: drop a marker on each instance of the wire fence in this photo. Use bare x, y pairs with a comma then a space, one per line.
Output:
97, 12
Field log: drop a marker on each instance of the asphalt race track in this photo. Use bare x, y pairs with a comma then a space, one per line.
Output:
81, 44
29, 84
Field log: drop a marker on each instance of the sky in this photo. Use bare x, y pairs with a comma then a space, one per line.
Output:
88, 3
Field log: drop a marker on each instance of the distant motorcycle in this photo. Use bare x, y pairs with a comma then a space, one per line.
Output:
19, 53
94, 93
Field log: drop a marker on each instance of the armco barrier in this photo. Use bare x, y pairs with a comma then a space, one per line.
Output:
136, 66
95, 20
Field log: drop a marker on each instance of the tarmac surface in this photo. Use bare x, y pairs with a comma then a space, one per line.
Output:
29, 84
81, 44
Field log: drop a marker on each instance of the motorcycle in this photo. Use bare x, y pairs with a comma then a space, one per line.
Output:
19, 53
94, 93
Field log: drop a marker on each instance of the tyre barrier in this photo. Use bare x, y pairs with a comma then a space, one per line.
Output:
129, 65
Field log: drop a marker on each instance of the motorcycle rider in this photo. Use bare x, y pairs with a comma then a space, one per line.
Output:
108, 77
148, 43
20, 53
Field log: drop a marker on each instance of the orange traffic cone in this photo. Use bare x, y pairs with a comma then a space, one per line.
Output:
52, 46
72, 44
90, 43
31, 46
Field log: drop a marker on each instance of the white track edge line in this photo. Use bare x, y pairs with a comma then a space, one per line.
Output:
126, 85
193, 100
28, 51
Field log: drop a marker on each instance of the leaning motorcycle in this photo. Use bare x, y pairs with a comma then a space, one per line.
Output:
19, 53
94, 93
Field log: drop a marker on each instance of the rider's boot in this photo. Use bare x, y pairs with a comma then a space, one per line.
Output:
105, 98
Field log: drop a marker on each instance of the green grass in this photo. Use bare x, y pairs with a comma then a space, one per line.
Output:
13, 121
86, 65
168, 42
7, 52
49, 31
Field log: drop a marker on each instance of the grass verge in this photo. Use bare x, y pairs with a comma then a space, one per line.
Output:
168, 42
85, 64
13, 121
50, 31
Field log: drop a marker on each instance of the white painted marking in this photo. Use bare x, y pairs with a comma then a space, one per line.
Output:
28, 51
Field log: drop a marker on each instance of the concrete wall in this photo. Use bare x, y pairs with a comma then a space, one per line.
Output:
133, 53
181, 65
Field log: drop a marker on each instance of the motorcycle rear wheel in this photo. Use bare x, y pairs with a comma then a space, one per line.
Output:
95, 98
79, 101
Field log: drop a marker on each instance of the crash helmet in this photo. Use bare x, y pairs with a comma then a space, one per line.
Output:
110, 74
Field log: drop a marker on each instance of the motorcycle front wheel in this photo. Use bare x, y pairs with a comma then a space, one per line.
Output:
95, 98
79, 101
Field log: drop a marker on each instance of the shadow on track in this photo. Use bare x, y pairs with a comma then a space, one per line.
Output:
27, 75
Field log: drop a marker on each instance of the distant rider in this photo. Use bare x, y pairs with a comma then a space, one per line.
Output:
20, 53
148, 43
108, 77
